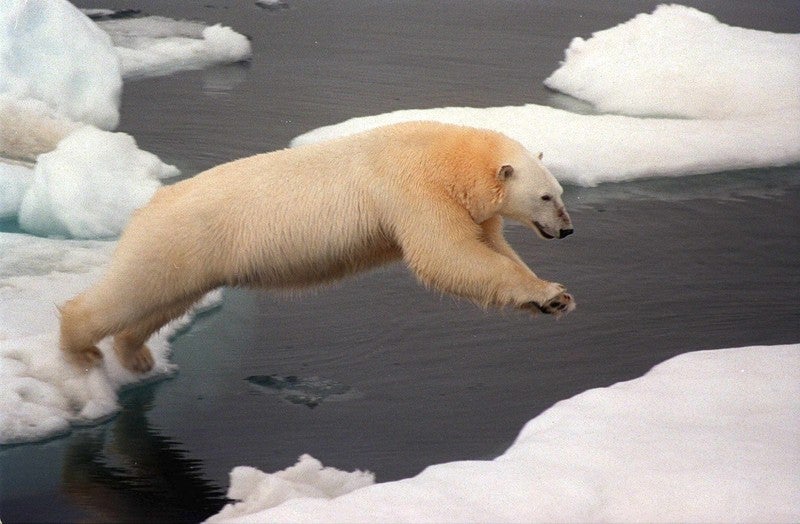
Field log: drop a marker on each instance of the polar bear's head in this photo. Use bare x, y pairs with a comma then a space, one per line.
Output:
533, 197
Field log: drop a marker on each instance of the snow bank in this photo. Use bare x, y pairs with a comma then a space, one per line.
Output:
50, 51
706, 436
41, 395
679, 61
669, 69
90, 185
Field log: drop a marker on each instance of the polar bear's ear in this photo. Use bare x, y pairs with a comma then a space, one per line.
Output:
505, 173
540, 155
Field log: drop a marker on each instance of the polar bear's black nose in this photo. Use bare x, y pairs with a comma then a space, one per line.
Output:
565, 232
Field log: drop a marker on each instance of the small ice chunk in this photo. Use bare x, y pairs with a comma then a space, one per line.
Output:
90, 185
157, 45
256, 490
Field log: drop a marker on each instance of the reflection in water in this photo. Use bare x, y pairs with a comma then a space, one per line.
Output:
126, 472
222, 79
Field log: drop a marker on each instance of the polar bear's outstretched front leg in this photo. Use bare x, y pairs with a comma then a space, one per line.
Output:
449, 252
493, 236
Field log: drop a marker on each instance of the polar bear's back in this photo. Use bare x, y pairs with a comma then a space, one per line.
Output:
305, 215
275, 219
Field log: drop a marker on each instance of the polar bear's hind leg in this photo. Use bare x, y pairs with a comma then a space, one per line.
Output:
129, 344
78, 337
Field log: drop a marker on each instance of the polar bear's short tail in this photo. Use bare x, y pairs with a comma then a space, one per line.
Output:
29, 128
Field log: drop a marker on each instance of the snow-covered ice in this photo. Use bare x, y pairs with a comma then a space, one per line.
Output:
70, 178
52, 52
90, 185
708, 436
156, 45
256, 490
61, 74
677, 61
590, 149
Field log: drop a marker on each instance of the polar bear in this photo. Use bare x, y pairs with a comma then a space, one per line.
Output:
431, 194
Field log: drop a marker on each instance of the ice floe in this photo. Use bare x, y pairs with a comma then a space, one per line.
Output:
732, 93
155, 45
50, 51
708, 436
679, 61
61, 74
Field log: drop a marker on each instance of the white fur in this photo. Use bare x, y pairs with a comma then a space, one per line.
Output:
430, 194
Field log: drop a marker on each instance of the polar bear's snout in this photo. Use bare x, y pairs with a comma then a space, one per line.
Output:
548, 233
566, 223
558, 226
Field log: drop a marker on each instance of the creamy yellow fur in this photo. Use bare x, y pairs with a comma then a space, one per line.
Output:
430, 194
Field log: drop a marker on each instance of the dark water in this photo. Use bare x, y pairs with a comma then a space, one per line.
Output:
399, 377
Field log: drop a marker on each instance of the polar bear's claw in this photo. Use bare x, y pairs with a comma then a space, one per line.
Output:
558, 305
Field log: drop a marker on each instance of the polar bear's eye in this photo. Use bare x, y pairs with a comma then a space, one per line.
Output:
547, 198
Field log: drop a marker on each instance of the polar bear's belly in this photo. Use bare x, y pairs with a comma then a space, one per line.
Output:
316, 257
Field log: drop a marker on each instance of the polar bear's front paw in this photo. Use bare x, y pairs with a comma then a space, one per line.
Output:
560, 304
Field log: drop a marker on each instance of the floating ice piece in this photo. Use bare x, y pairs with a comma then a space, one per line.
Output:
741, 84
590, 149
90, 185
679, 61
709, 436
52, 52
306, 479
272, 5
107, 14
308, 391
157, 45
87, 182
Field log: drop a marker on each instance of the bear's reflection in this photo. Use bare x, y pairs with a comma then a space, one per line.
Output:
124, 471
